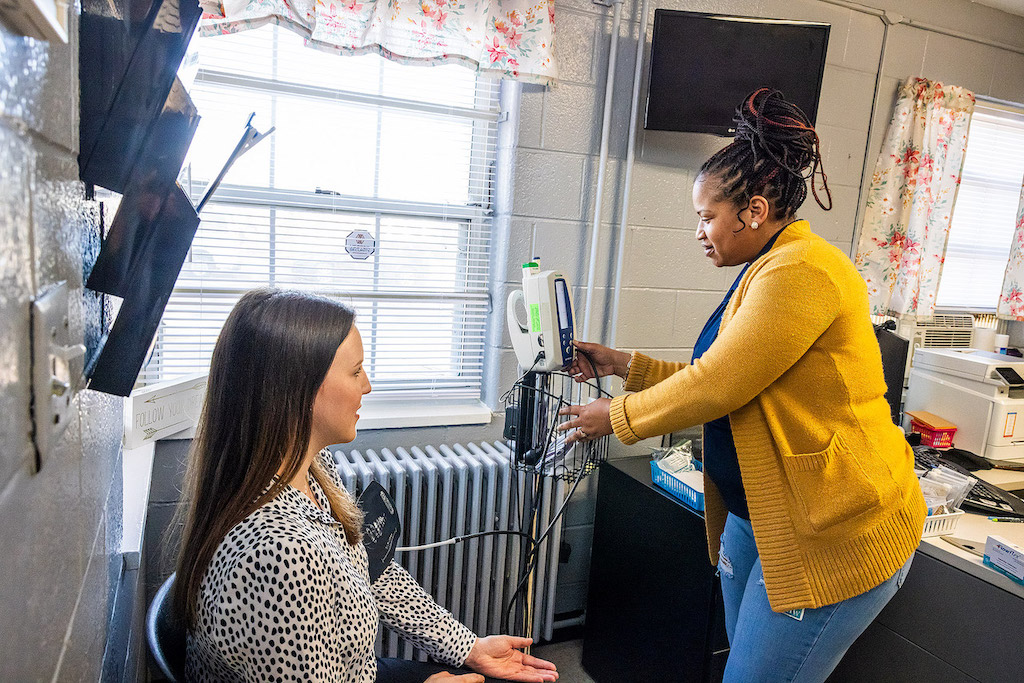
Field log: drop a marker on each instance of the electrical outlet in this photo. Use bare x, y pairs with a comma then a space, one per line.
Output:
57, 365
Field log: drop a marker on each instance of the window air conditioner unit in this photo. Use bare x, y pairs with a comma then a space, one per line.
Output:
949, 331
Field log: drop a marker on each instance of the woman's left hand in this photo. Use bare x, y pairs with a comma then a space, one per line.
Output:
497, 657
591, 421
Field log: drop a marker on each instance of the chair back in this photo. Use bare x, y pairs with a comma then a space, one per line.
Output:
894, 350
165, 635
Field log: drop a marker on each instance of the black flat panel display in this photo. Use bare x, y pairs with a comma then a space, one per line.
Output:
703, 65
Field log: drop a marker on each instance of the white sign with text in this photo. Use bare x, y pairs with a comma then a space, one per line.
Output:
163, 409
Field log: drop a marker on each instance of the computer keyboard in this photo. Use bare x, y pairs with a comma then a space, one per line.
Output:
984, 497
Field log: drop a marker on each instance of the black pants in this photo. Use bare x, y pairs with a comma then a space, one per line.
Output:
404, 671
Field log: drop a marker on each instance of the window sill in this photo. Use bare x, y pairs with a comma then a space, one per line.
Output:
137, 474
396, 414
384, 413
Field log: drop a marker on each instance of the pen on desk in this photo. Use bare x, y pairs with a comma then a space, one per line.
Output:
1006, 519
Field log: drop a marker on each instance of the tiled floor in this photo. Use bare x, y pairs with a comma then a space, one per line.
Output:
566, 656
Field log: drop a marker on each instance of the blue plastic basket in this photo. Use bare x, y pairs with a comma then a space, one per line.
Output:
676, 488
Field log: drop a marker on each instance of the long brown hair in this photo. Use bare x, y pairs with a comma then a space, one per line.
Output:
268, 364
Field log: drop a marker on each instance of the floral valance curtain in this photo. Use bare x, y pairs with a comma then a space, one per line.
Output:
510, 38
910, 203
1011, 299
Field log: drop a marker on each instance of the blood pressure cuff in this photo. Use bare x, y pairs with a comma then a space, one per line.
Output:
381, 528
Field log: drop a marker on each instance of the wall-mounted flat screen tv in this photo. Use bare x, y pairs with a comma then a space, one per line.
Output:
703, 65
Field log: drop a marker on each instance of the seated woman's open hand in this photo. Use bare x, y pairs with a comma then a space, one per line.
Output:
498, 657
445, 677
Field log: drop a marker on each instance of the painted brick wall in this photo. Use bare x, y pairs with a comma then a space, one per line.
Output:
61, 527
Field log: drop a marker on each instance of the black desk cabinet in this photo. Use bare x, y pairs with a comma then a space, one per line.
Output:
942, 625
654, 610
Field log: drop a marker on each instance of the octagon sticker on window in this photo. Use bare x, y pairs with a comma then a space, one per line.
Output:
360, 244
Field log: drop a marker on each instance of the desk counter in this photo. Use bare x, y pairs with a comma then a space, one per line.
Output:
1008, 480
977, 528
654, 610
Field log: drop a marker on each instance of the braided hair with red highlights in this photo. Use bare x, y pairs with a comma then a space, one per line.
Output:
774, 146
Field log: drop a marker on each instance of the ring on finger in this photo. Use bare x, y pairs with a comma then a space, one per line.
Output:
583, 434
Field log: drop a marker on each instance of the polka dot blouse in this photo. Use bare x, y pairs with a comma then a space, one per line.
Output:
286, 598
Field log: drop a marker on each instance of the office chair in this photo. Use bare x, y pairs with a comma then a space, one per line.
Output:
894, 350
166, 638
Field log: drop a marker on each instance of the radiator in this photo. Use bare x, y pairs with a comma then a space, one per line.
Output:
447, 491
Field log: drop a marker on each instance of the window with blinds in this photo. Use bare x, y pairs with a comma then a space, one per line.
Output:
402, 153
985, 213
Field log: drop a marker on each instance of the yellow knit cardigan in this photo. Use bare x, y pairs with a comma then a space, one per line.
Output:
833, 500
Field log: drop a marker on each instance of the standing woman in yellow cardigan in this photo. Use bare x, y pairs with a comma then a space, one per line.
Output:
812, 508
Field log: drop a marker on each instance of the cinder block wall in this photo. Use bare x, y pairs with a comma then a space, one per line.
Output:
60, 528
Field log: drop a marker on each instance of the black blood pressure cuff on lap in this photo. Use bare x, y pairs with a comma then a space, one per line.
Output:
381, 528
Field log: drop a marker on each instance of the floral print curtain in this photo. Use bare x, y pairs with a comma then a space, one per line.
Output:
1011, 299
910, 202
508, 38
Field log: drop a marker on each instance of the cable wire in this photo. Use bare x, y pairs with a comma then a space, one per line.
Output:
518, 382
597, 378
534, 554
457, 539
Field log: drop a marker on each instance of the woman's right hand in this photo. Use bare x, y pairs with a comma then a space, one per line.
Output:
445, 677
607, 362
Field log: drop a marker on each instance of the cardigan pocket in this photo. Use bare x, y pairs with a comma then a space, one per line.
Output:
830, 485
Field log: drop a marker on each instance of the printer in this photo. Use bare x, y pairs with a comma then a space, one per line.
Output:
981, 393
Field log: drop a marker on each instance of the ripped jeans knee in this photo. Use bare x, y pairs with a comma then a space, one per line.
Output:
724, 565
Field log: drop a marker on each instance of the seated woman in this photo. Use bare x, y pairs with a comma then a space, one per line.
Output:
273, 580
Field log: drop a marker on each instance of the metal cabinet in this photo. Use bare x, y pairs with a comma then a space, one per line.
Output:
654, 609
944, 625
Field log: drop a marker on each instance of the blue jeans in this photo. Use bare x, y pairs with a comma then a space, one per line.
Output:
769, 646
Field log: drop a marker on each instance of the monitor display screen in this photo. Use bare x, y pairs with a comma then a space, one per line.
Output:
562, 299
703, 65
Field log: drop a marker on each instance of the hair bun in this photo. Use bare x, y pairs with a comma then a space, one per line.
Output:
774, 153
777, 128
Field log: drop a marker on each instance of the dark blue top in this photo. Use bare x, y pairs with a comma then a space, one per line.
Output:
720, 460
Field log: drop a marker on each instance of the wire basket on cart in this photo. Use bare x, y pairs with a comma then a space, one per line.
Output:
545, 463
531, 421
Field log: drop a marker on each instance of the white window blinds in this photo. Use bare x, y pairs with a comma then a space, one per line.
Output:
981, 231
403, 153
